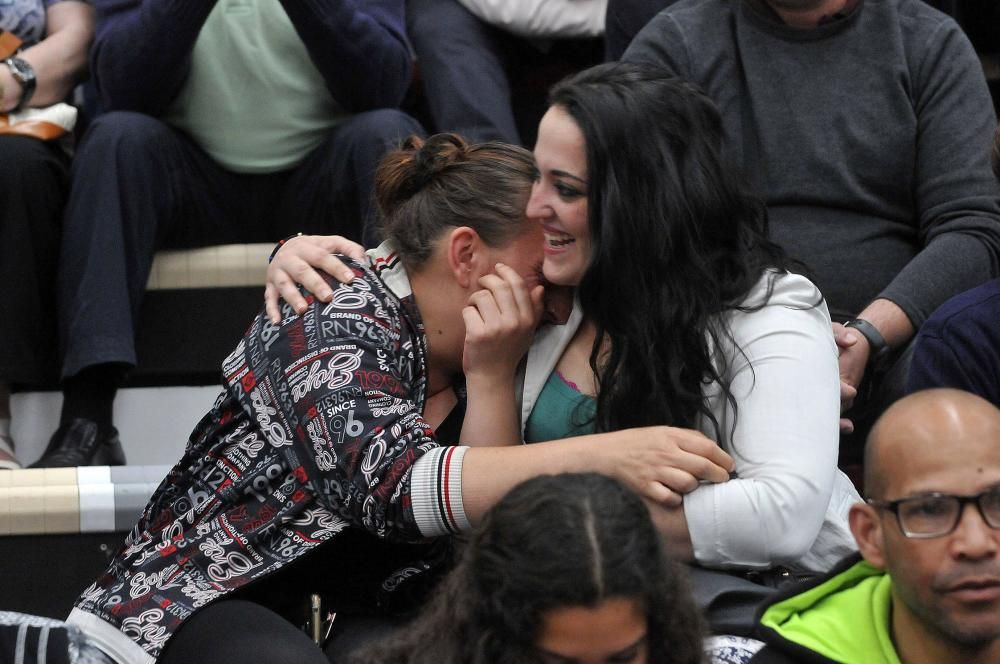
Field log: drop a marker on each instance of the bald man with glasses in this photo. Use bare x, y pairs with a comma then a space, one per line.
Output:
925, 587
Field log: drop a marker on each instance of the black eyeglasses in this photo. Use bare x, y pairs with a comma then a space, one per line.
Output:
937, 514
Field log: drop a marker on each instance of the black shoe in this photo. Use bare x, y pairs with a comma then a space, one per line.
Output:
81, 442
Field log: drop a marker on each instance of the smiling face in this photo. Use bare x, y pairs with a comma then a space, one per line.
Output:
559, 197
613, 632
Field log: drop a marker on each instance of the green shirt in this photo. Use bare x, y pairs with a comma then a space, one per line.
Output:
254, 101
560, 412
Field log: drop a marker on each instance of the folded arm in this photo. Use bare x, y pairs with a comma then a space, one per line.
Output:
784, 442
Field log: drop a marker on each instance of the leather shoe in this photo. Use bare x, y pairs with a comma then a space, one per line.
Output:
81, 442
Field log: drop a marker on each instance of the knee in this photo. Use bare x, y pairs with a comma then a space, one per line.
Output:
25, 160
125, 133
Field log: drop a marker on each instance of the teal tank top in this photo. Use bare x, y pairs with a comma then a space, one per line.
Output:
561, 411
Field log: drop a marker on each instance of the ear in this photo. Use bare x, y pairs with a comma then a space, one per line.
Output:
465, 252
866, 526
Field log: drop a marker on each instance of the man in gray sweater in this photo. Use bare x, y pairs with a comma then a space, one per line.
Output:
866, 126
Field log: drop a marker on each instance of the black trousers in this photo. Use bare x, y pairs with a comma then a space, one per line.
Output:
138, 186
479, 81
463, 64
34, 179
237, 630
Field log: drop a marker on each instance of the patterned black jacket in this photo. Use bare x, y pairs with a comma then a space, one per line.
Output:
319, 428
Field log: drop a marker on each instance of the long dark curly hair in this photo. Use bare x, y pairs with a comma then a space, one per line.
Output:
676, 242
552, 542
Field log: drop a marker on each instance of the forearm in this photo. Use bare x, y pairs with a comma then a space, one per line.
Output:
490, 472
952, 263
890, 320
59, 60
658, 463
359, 48
673, 526
142, 50
491, 416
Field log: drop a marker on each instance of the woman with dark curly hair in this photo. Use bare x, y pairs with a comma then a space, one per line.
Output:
564, 568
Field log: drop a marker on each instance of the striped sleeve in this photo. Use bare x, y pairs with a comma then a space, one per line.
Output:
436, 492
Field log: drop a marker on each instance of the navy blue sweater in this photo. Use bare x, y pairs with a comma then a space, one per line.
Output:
141, 52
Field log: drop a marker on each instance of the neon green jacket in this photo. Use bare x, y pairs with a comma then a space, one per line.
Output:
842, 617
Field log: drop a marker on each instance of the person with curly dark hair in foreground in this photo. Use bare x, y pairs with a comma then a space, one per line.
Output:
563, 567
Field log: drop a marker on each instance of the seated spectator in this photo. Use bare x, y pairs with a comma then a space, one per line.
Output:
34, 180
472, 53
323, 468
926, 586
565, 568
229, 121
959, 345
625, 18
862, 125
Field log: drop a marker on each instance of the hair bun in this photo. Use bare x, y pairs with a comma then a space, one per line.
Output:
408, 170
435, 155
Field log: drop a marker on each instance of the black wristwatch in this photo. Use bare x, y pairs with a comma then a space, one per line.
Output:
25, 75
879, 348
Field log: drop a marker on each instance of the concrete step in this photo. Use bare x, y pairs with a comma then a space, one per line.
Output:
154, 422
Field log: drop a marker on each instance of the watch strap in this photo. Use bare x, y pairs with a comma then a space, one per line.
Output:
24, 74
875, 339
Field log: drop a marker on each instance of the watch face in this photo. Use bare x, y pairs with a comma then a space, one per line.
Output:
21, 70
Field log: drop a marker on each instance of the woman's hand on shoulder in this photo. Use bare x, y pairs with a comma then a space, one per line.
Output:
500, 323
663, 463
298, 262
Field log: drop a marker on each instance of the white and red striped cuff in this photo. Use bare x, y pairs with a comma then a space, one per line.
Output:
436, 492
